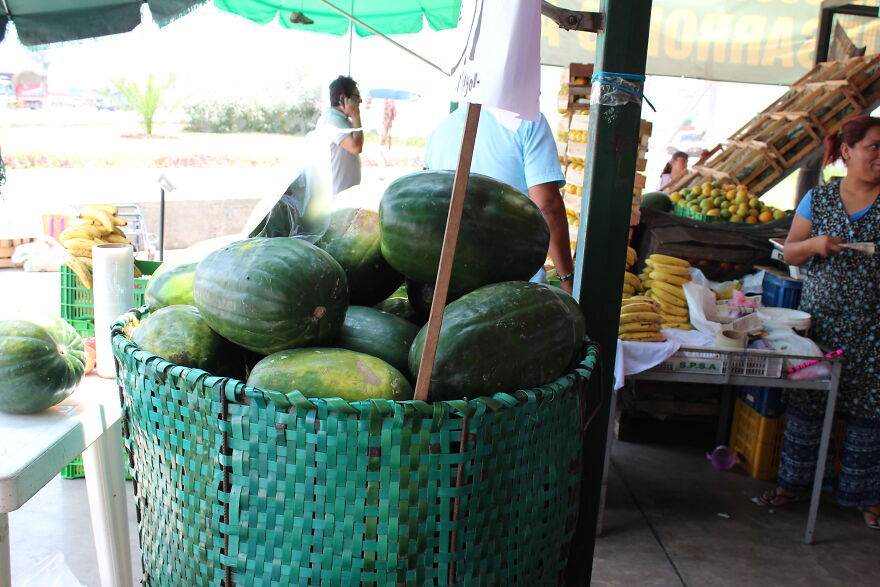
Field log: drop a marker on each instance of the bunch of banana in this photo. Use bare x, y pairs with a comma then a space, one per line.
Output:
630, 258
631, 284
665, 277
640, 320
97, 224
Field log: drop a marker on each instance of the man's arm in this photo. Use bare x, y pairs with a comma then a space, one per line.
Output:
354, 142
549, 200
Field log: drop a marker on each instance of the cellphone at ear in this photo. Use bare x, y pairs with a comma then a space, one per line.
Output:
342, 101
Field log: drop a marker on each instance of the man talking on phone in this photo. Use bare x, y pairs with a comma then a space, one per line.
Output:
342, 122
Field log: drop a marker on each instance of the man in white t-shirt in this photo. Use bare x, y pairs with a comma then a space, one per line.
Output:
342, 123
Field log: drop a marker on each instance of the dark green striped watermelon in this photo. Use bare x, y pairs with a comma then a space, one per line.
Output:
330, 372
501, 338
503, 235
272, 294
42, 360
378, 334
400, 307
353, 240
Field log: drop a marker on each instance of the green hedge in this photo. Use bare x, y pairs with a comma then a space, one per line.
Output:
227, 117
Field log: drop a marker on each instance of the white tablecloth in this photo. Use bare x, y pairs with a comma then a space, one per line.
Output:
635, 357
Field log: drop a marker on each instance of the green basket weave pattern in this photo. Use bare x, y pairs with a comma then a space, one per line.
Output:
250, 487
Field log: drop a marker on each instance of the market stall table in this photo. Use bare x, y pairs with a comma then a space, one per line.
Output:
737, 372
34, 448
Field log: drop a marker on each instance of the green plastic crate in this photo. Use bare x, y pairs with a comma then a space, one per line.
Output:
75, 470
77, 302
688, 213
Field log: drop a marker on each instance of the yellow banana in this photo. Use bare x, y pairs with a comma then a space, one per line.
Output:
642, 317
673, 318
108, 208
646, 284
673, 269
639, 307
639, 327
115, 238
679, 326
80, 252
631, 279
672, 309
137, 272
82, 222
117, 221
637, 299
87, 261
664, 296
100, 217
669, 288
666, 259
630, 256
627, 288
625, 296
668, 278
642, 336
83, 231
81, 243
118, 231
78, 267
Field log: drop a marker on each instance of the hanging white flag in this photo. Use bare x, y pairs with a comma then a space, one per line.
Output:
498, 62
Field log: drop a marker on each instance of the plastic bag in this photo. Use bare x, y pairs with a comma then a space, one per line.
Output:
50, 571
788, 341
304, 209
43, 254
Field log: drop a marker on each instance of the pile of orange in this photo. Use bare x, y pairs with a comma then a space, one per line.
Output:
732, 203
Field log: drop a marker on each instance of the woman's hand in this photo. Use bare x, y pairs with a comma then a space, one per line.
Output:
826, 245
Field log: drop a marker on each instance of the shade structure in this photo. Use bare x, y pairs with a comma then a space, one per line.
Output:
40, 22
389, 17
391, 94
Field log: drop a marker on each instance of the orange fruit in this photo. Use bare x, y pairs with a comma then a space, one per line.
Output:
777, 214
733, 209
730, 195
675, 197
765, 216
736, 218
751, 220
754, 213
714, 212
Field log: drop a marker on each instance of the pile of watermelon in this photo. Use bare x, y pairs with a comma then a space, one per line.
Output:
346, 317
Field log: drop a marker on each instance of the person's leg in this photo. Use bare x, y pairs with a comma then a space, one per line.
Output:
860, 468
797, 463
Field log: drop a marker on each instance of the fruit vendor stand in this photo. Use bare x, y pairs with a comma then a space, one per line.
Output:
212, 431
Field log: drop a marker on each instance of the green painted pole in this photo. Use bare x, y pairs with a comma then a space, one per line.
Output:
602, 239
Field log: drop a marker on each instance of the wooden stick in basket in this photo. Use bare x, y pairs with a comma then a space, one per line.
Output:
447, 253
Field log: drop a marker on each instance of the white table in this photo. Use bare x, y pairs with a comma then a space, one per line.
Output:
34, 448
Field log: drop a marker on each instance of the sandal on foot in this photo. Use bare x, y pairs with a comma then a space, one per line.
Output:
769, 497
875, 524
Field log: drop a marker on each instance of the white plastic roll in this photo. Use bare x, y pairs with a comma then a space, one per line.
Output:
113, 277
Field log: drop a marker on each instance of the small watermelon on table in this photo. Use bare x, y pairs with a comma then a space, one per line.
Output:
42, 360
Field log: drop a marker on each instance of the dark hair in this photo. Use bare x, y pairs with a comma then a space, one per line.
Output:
677, 155
850, 133
342, 85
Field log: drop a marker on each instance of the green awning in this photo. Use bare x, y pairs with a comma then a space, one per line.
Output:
40, 22
389, 17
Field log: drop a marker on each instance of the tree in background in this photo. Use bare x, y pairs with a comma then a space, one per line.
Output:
145, 101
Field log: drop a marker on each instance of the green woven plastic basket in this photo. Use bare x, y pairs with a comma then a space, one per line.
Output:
239, 486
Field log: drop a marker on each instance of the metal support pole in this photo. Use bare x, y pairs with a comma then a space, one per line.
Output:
161, 224
602, 239
827, 426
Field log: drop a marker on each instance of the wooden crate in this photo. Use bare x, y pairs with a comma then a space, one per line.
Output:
789, 136
7, 248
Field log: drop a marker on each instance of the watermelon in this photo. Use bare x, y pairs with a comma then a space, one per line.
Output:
400, 307
272, 294
378, 334
657, 200
330, 372
171, 287
503, 234
501, 338
421, 296
181, 336
353, 240
42, 360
